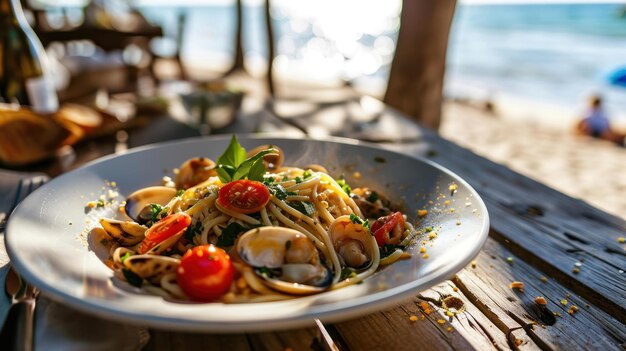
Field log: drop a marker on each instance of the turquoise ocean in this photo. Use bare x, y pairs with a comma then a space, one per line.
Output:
557, 53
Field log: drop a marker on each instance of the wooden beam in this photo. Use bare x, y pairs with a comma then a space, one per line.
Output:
416, 76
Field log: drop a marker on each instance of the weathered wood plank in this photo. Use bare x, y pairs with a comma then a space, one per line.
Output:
549, 229
487, 286
393, 329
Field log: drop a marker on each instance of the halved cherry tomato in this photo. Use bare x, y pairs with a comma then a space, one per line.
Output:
388, 230
244, 196
164, 229
205, 273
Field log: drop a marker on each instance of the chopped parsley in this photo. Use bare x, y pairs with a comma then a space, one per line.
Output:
388, 250
155, 211
132, 278
180, 192
358, 220
304, 207
193, 230
298, 180
230, 234
266, 272
307, 174
347, 273
100, 203
344, 186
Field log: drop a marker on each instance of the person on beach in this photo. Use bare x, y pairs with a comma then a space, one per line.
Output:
596, 123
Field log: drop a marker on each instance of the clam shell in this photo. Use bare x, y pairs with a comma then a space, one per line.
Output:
151, 267
140, 199
125, 233
291, 252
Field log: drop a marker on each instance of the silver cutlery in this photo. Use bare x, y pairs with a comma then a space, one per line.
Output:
17, 333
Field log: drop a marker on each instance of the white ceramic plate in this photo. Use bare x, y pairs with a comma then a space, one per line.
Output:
46, 246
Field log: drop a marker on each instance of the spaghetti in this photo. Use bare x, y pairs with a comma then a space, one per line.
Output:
292, 231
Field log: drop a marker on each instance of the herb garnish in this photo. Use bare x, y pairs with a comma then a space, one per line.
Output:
358, 220
279, 191
180, 192
193, 230
388, 250
307, 174
344, 186
155, 210
304, 207
233, 164
347, 273
230, 234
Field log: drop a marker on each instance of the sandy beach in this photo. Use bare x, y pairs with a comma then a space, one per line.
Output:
581, 167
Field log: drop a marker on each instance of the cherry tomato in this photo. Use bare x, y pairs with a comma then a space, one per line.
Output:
164, 229
205, 273
388, 230
244, 196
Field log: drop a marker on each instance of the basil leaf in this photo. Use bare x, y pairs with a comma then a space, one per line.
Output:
257, 170
225, 173
230, 234
244, 168
234, 155
304, 207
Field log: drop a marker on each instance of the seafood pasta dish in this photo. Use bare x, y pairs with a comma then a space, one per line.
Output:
248, 228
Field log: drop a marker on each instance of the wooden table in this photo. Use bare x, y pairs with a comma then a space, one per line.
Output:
561, 248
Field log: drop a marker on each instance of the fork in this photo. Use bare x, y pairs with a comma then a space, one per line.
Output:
17, 333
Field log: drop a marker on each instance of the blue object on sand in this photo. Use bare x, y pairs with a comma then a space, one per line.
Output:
618, 77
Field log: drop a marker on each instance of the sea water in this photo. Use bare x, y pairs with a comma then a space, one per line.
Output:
557, 53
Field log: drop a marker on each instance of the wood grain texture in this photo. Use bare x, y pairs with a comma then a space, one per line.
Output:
544, 227
487, 287
393, 330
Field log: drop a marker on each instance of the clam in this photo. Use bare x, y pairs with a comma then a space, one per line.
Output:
272, 161
138, 203
353, 242
285, 259
151, 267
125, 233
195, 171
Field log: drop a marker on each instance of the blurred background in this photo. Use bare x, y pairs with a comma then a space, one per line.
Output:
519, 74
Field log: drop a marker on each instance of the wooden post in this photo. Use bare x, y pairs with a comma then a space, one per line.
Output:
270, 48
416, 77
238, 64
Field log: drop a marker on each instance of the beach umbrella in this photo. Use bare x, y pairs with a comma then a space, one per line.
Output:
618, 77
